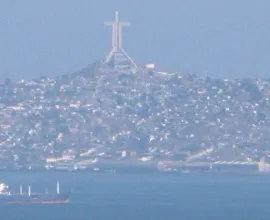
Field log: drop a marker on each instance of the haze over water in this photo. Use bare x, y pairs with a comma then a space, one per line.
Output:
145, 197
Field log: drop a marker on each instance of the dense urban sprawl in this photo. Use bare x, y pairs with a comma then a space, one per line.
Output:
96, 115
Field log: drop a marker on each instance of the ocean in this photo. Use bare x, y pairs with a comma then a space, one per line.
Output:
112, 196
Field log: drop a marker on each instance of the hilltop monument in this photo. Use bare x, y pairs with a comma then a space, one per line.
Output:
118, 58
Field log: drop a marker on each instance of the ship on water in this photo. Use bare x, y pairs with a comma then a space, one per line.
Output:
7, 197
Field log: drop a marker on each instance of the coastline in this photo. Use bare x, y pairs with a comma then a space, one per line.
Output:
140, 167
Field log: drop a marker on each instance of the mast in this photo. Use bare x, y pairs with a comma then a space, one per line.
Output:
21, 189
29, 190
57, 188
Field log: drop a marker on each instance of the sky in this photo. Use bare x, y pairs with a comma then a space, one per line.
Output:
216, 38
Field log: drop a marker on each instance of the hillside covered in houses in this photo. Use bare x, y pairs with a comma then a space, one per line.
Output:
101, 115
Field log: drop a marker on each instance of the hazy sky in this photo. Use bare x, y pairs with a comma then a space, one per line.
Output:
215, 37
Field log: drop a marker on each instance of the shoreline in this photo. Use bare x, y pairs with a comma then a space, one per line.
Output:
152, 167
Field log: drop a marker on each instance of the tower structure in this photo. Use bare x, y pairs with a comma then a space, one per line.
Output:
117, 57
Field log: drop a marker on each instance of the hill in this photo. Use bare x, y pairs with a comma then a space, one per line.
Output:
97, 114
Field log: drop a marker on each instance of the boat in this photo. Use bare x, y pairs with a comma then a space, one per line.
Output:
6, 197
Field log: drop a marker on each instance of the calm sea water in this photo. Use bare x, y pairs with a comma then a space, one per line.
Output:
143, 196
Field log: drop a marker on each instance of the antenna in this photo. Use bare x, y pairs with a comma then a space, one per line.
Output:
117, 45
29, 190
21, 189
57, 187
